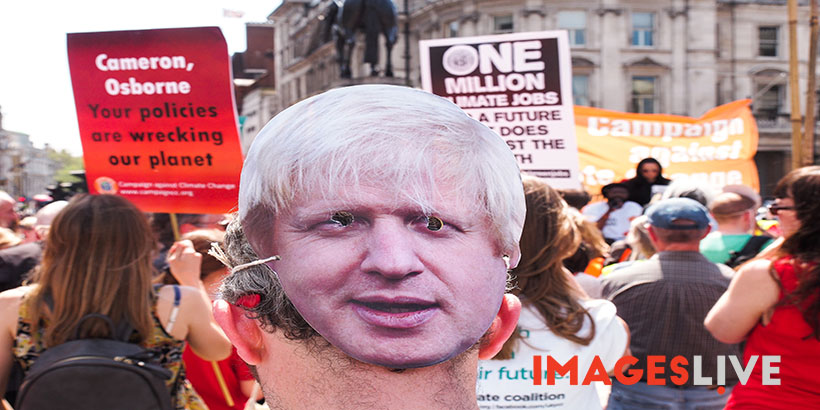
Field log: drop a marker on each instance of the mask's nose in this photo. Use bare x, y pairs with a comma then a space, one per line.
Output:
391, 250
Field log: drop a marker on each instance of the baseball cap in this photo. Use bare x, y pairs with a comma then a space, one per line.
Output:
665, 213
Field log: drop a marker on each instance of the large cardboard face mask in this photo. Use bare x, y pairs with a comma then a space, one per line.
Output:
387, 284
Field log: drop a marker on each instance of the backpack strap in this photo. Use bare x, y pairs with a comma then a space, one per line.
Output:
174, 311
121, 332
754, 244
751, 248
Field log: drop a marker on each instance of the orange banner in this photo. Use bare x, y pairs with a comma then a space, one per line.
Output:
715, 149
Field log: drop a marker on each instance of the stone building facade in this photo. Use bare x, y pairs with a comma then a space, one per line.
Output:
680, 57
255, 81
24, 169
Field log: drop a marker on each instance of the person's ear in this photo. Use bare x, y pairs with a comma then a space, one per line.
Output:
653, 236
751, 221
503, 326
243, 332
41, 232
706, 231
513, 257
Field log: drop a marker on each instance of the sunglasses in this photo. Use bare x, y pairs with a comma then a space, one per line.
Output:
774, 209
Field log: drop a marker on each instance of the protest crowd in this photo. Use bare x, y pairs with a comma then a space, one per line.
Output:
612, 291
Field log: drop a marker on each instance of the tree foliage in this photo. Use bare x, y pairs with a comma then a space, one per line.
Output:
67, 163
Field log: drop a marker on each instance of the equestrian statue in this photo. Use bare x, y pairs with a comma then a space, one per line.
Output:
344, 18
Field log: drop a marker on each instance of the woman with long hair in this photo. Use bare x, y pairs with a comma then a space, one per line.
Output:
774, 304
649, 173
557, 319
97, 259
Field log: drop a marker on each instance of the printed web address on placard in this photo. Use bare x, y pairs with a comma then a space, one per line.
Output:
156, 192
175, 185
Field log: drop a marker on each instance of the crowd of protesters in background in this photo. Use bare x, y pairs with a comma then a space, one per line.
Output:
675, 265
96, 254
660, 252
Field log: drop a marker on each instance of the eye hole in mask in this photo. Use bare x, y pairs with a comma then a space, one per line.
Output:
434, 223
342, 218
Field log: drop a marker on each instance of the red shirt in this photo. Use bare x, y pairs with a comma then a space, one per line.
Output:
201, 374
790, 337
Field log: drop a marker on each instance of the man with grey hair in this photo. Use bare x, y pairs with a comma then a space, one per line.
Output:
664, 301
8, 217
375, 229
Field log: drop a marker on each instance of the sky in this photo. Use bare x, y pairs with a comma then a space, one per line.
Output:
35, 87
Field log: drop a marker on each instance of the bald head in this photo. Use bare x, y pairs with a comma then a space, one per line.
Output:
730, 204
45, 216
8, 218
734, 213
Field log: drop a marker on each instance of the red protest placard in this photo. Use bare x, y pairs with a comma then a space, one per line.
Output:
157, 117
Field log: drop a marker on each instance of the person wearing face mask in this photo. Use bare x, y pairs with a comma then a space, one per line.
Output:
647, 182
613, 216
773, 303
375, 229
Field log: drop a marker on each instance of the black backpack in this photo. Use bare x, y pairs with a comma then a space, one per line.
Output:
96, 374
750, 249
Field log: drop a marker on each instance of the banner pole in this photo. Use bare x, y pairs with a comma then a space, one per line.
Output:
175, 226
811, 93
222, 386
794, 88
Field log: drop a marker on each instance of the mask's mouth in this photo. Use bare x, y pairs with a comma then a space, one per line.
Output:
395, 307
395, 313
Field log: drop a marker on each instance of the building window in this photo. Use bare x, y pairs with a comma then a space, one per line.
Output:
645, 94
503, 24
452, 28
580, 89
643, 29
768, 101
575, 22
767, 37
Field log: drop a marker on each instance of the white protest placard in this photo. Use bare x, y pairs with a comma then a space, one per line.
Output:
519, 85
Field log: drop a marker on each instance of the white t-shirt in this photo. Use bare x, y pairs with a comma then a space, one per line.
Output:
617, 225
507, 384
